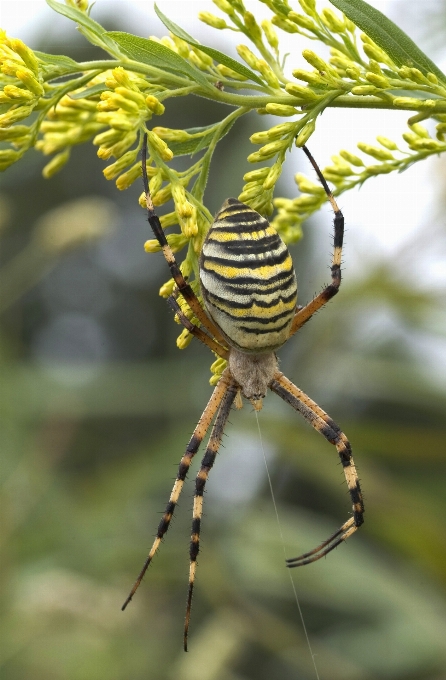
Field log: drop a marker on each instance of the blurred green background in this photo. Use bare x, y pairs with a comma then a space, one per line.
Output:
97, 408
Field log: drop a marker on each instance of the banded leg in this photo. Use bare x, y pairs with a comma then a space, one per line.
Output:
192, 448
321, 422
200, 482
305, 313
183, 287
195, 331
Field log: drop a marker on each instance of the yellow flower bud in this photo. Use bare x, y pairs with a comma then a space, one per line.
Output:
387, 143
184, 339
56, 164
301, 20
377, 80
15, 132
124, 161
307, 187
273, 176
182, 46
13, 115
284, 24
307, 77
18, 93
412, 103
314, 60
364, 90
162, 196
332, 22
280, 109
300, 91
229, 73
169, 220
107, 138
134, 95
212, 20
270, 150
252, 27
268, 74
247, 56
160, 146
308, 6
30, 81
152, 246
259, 137
351, 158
260, 174
167, 288
25, 53
127, 178
154, 105
250, 193
171, 135
224, 5
305, 134
270, 34
376, 152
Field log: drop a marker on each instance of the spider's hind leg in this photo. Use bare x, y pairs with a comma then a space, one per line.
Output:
322, 422
197, 437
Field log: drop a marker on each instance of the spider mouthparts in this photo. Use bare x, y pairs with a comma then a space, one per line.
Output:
257, 403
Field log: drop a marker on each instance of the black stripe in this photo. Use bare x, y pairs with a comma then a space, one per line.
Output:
338, 224
268, 261
253, 282
256, 319
213, 299
237, 222
266, 243
247, 289
262, 331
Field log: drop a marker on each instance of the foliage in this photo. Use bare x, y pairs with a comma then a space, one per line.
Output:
111, 103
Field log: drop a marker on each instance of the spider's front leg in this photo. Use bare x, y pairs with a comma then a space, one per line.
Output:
322, 422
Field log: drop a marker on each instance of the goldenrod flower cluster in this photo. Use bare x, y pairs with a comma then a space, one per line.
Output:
21, 89
112, 103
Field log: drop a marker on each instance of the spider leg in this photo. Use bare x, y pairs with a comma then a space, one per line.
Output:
321, 422
305, 313
183, 287
200, 482
192, 448
197, 332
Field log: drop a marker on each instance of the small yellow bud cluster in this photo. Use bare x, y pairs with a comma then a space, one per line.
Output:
124, 107
185, 211
19, 96
419, 138
217, 369
259, 65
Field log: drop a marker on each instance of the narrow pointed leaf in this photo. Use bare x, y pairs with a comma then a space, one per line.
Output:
155, 54
96, 32
387, 35
219, 57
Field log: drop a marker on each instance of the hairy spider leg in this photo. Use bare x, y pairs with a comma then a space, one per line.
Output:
195, 331
321, 422
231, 390
305, 313
192, 448
183, 286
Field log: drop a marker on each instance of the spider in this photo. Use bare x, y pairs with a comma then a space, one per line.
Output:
249, 290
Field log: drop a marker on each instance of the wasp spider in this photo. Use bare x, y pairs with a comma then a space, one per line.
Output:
249, 290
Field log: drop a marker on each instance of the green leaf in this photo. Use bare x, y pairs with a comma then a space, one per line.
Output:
397, 44
193, 146
220, 57
155, 54
95, 32
89, 91
59, 61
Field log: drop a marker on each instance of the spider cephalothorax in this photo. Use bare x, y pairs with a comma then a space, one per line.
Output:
249, 290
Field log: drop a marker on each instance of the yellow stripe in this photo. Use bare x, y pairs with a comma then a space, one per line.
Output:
255, 310
225, 236
264, 273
